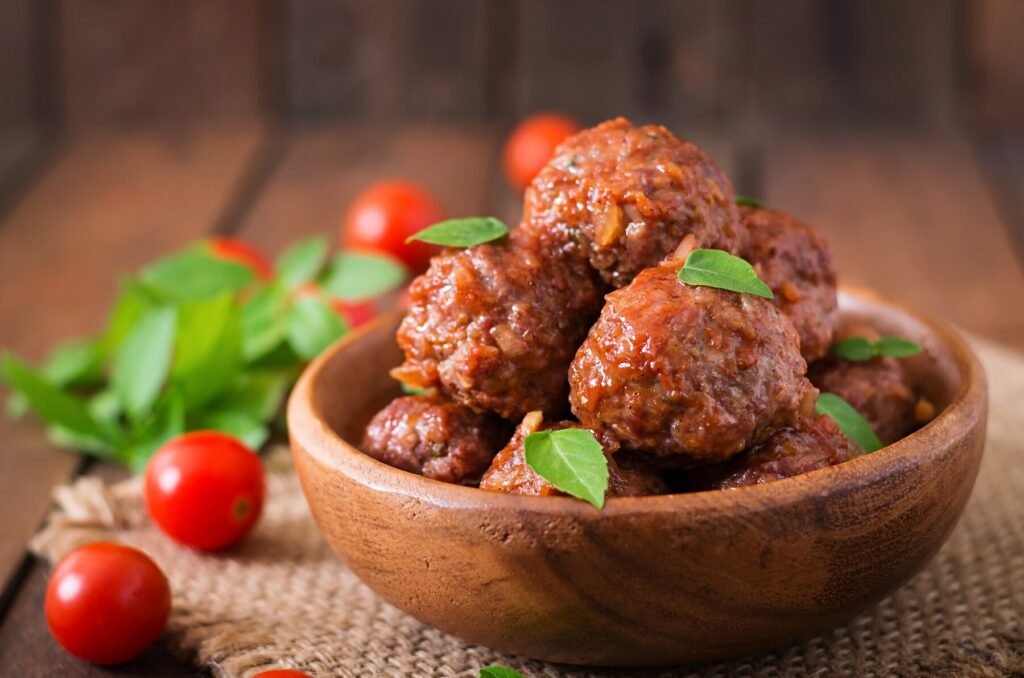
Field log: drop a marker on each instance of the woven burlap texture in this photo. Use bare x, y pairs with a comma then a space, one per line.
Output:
283, 600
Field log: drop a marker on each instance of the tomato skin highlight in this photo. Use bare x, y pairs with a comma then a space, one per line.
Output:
205, 490
107, 603
282, 673
532, 143
234, 249
384, 215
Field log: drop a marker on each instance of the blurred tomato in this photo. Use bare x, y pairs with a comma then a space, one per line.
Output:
532, 143
205, 489
106, 603
242, 252
386, 214
354, 313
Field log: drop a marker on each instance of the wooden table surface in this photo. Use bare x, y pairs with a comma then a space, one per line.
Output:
930, 217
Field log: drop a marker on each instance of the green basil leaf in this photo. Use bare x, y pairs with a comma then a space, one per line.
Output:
105, 406
849, 420
66, 438
75, 362
572, 460
313, 326
166, 421
352, 275
499, 672
194, 274
207, 348
252, 431
745, 201
717, 268
412, 390
257, 394
49, 402
132, 302
263, 322
17, 405
143, 361
857, 349
301, 262
897, 347
462, 232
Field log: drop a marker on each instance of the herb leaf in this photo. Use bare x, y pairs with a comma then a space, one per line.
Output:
746, 201
313, 326
499, 672
860, 349
717, 268
462, 232
353, 276
572, 460
251, 430
143, 360
194, 274
849, 420
74, 362
208, 349
301, 262
263, 322
53, 405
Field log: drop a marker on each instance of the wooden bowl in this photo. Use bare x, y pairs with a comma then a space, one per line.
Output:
648, 580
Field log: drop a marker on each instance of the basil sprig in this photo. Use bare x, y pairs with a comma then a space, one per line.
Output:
861, 349
464, 232
572, 460
746, 201
717, 268
849, 420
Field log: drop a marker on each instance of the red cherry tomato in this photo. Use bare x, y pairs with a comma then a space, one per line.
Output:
242, 252
106, 603
205, 489
532, 143
282, 673
387, 213
355, 313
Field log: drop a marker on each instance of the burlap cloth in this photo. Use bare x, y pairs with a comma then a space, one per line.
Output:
282, 599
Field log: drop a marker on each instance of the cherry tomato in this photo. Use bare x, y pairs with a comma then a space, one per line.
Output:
242, 252
205, 489
387, 213
282, 673
532, 143
355, 313
106, 603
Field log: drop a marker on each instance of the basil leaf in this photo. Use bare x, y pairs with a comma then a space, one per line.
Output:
849, 420
572, 460
258, 394
313, 326
301, 262
462, 232
49, 402
744, 201
105, 406
353, 275
195, 274
412, 390
129, 307
207, 349
897, 347
717, 268
64, 437
857, 349
166, 421
75, 362
499, 672
143, 361
263, 322
251, 431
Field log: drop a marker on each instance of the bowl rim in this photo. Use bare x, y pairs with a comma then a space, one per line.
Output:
309, 431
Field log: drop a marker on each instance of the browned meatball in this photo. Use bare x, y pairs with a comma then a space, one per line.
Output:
509, 473
426, 435
496, 326
879, 389
813, 442
625, 196
796, 262
695, 372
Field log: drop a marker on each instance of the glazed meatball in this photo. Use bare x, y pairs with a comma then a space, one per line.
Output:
879, 389
697, 373
796, 263
496, 326
427, 435
509, 472
625, 196
813, 442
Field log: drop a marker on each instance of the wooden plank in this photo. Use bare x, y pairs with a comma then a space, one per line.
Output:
130, 62
16, 63
107, 205
1002, 156
388, 58
909, 216
995, 56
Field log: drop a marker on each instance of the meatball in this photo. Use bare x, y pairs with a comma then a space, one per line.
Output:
509, 472
813, 442
624, 196
426, 435
496, 326
796, 262
693, 372
879, 389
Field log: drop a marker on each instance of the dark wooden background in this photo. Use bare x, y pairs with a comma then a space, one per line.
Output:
128, 128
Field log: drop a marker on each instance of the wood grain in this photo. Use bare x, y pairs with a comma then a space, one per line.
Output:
909, 216
16, 63
996, 61
107, 205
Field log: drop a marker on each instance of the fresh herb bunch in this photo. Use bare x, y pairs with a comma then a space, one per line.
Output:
195, 341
